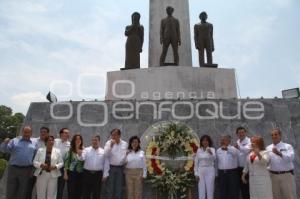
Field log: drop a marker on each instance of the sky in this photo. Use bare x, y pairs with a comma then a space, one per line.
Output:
68, 46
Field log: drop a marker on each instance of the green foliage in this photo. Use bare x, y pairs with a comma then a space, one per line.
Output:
3, 165
172, 138
172, 184
4, 156
9, 122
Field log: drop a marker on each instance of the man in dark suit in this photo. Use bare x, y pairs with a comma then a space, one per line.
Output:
170, 34
203, 33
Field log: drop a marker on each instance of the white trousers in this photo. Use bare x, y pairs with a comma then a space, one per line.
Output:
46, 186
206, 182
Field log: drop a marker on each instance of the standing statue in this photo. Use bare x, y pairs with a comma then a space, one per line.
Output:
134, 43
204, 40
170, 34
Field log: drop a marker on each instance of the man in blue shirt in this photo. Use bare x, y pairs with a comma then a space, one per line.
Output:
22, 150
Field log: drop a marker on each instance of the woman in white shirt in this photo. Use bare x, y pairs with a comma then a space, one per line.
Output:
259, 176
204, 169
135, 169
47, 162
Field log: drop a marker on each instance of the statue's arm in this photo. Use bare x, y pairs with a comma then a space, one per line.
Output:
142, 37
212, 38
127, 30
178, 32
161, 31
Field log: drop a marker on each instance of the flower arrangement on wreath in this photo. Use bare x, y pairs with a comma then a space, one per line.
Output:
175, 140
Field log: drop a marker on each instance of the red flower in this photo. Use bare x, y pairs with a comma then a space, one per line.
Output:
194, 146
155, 167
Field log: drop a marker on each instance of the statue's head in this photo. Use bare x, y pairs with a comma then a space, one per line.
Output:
170, 10
135, 17
203, 16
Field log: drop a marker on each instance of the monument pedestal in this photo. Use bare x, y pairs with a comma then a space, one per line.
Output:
171, 82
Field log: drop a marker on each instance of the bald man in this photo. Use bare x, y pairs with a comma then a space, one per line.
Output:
281, 167
22, 150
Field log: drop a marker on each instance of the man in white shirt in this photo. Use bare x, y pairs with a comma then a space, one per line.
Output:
63, 144
115, 150
228, 175
244, 146
95, 169
281, 167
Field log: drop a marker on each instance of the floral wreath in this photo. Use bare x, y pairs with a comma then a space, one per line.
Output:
174, 139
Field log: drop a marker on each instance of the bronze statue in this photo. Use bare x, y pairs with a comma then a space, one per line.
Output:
204, 40
134, 43
170, 34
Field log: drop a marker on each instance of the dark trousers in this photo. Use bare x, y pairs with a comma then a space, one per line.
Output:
166, 45
115, 182
208, 55
60, 185
244, 187
92, 181
74, 185
31, 184
229, 183
18, 179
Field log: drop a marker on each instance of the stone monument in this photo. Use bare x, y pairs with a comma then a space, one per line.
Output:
170, 35
204, 41
134, 43
183, 81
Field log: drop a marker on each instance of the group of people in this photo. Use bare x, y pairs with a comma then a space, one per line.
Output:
246, 167
48, 163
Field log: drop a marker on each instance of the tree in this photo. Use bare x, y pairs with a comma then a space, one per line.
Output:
9, 123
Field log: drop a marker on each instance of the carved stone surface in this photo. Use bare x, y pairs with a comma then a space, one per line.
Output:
171, 83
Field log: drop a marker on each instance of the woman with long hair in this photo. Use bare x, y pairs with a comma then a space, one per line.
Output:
204, 169
74, 168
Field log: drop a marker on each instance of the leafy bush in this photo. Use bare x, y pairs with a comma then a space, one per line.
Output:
3, 164
4, 156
